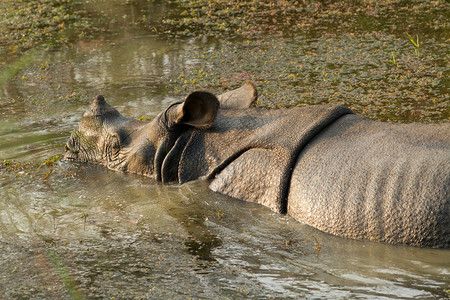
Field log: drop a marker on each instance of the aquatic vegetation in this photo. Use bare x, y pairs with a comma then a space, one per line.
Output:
29, 28
393, 60
415, 43
85, 215
298, 53
145, 118
287, 18
19, 169
311, 52
49, 162
30, 169
348, 69
27, 24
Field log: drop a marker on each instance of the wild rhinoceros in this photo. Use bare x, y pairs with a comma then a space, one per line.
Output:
323, 165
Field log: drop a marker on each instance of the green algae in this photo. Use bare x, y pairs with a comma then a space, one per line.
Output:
30, 170
27, 24
254, 18
350, 70
30, 28
386, 60
363, 54
145, 118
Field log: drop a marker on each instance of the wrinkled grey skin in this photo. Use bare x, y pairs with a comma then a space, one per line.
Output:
323, 165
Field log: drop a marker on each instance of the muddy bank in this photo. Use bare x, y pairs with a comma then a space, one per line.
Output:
387, 61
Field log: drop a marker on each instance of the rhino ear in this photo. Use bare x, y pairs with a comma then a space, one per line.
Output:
198, 110
240, 98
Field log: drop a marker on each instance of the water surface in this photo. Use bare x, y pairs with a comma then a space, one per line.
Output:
74, 230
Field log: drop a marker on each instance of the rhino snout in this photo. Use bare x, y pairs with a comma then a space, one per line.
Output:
70, 152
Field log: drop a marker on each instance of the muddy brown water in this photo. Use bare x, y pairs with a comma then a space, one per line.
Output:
82, 231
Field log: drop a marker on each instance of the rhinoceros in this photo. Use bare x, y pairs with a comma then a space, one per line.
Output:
323, 165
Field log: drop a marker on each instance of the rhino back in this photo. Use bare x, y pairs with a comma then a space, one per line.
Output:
378, 181
249, 154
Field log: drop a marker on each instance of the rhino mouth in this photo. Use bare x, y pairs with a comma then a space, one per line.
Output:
70, 154
78, 147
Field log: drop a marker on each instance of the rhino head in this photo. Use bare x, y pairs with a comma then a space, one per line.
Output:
106, 137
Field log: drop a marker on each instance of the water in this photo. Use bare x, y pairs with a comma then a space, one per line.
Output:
81, 231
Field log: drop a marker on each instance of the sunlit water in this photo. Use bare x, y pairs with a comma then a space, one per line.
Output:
88, 232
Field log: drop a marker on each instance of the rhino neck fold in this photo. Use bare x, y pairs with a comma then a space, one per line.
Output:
168, 156
249, 154
325, 120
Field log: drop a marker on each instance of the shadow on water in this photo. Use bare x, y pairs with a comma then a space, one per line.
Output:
200, 242
81, 231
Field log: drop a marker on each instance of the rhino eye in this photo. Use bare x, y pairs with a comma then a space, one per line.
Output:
116, 142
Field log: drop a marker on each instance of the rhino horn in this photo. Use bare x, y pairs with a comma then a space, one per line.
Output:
99, 107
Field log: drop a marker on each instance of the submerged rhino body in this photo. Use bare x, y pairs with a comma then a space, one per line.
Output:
323, 165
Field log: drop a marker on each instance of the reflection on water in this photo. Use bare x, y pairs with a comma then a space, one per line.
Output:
89, 232
118, 234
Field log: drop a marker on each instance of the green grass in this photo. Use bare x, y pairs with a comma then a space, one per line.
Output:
415, 43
